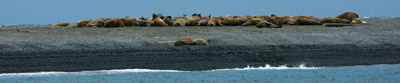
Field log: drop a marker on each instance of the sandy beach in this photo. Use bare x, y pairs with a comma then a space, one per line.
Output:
28, 48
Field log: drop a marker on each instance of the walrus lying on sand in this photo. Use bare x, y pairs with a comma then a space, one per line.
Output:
186, 41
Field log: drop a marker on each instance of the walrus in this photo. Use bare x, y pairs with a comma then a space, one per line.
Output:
183, 41
203, 22
129, 21
286, 20
168, 20
199, 42
83, 23
186, 41
348, 15
253, 21
179, 22
59, 25
230, 21
158, 22
268, 18
117, 22
215, 21
266, 24
241, 20
192, 21
356, 21
98, 22
307, 21
142, 21
334, 20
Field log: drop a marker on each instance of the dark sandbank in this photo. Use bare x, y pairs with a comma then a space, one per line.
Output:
39, 48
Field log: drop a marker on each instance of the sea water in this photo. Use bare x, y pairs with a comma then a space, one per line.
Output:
384, 73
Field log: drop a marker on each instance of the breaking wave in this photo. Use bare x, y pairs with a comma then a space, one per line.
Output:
117, 71
268, 67
121, 71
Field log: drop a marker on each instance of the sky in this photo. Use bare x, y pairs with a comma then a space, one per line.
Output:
43, 12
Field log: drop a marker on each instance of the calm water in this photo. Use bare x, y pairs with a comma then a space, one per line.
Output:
357, 74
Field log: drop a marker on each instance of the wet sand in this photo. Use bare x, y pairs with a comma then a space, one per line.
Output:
40, 48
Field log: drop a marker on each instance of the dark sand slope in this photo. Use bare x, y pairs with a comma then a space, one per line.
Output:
33, 49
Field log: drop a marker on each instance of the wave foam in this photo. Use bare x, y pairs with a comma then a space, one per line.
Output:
117, 71
268, 67
121, 71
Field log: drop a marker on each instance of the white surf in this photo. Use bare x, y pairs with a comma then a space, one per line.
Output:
121, 71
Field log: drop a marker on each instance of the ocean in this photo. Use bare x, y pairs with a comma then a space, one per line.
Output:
384, 73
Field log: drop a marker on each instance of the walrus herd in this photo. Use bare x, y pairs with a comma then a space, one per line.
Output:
272, 21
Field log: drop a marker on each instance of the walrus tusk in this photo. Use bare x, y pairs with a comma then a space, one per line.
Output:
160, 42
